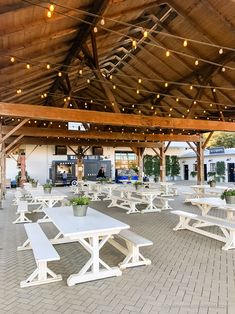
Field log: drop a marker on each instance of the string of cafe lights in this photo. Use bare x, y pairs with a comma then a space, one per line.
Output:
145, 31
176, 83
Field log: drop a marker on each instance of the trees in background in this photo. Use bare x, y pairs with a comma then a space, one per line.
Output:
224, 139
152, 166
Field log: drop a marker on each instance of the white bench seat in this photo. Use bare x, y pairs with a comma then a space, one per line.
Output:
22, 209
133, 243
125, 203
43, 252
227, 227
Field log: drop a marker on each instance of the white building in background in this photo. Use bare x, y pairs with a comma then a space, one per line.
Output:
211, 157
40, 159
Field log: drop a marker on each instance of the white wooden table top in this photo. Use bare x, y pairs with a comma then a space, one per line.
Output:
93, 223
48, 196
213, 201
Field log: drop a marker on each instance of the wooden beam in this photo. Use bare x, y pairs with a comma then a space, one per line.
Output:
167, 146
16, 140
192, 147
74, 142
82, 36
108, 118
207, 140
157, 153
13, 130
53, 132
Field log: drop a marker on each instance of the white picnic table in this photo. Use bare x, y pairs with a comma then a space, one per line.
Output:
150, 195
230, 210
165, 187
206, 203
92, 232
204, 189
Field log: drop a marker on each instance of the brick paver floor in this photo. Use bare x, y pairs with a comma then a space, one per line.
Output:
190, 273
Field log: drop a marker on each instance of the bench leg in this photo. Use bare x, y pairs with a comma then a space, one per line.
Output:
113, 203
230, 243
134, 257
132, 209
165, 204
41, 275
21, 218
183, 223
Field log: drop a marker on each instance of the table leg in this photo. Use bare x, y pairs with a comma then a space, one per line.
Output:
95, 268
151, 208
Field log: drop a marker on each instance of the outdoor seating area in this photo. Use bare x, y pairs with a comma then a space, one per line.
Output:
147, 241
117, 157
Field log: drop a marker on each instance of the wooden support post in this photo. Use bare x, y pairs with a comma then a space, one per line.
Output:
140, 152
79, 163
200, 162
162, 163
2, 167
23, 169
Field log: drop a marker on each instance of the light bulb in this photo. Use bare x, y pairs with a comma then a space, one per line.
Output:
60, 74
80, 72
49, 15
139, 80
28, 66
95, 29
196, 62
221, 51
185, 44
48, 66
145, 34
88, 81
12, 59
134, 44
167, 53
102, 22
52, 8
166, 84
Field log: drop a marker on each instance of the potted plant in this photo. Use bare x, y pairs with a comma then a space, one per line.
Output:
137, 184
47, 187
212, 183
229, 195
34, 183
80, 205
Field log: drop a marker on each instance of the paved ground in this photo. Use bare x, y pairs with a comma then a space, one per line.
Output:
189, 272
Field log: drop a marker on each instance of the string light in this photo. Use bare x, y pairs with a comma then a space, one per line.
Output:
221, 51
88, 81
80, 72
102, 22
137, 91
177, 99
134, 44
60, 74
48, 66
185, 43
167, 53
95, 29
145, 34
110, 77
191, 87
28, 66
114, 86
196, 62
139, 81
52, 8
19, 91
223, 69
12, 59
49, 14
166, 84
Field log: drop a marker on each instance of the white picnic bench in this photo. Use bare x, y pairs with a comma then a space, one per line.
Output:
43, 252
127, 203
227, 227
22, 209
133, 243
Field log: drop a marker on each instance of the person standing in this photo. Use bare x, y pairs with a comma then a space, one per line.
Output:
101, 173
64, 177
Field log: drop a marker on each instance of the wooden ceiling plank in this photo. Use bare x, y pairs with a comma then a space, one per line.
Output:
13, 130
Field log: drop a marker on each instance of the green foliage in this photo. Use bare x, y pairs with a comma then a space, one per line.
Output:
224, 139
47, 185
228, 192
82, 200
211, 174
168, 165
135, 168
175, 166
151, 165
137, 183
220, 168
193, 173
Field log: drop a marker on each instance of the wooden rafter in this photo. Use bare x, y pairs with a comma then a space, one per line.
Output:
108, 118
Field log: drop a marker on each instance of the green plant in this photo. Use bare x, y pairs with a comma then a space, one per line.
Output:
193, 173
175, 166
211, 181
220, 168
137, 183
47, 185
211, 174
82, 200
228, 192
102, 180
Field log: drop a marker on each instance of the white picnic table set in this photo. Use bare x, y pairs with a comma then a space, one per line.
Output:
205, 204
92, 231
